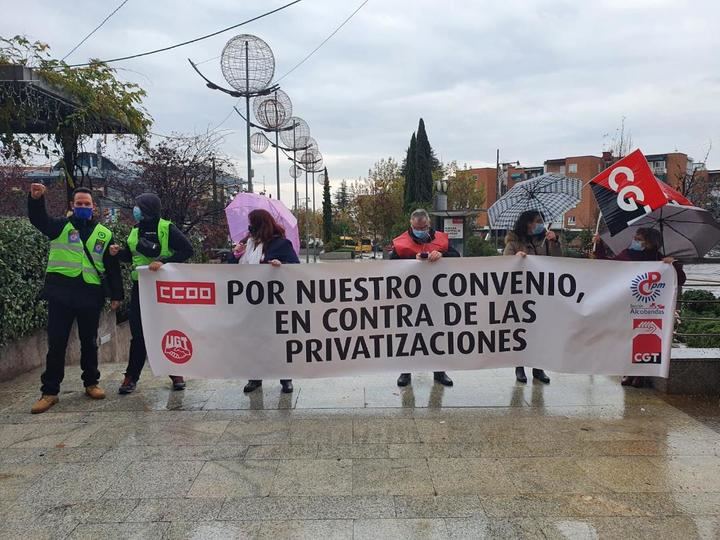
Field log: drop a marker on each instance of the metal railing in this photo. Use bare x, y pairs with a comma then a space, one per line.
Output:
698, 284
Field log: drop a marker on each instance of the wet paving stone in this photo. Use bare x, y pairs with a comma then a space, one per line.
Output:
360, 458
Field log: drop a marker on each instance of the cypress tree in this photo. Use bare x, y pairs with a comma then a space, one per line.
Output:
342, 197
409, 172
423, 166
327, 210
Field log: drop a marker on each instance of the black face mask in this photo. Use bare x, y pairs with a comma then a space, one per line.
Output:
251, 229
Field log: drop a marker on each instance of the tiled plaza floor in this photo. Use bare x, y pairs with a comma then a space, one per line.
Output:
359, 459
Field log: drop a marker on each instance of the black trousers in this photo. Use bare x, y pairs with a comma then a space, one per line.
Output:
60, 319
138, 352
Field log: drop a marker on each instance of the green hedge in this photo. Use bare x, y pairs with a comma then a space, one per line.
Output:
709, 310
23, 258
478, 247
23, 255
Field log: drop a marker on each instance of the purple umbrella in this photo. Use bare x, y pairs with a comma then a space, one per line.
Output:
244, 203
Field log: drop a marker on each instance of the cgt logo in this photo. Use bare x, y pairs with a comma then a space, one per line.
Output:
647, 341
647, 287
185, 292
177, 347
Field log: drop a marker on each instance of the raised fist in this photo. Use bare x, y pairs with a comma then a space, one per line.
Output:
37, 190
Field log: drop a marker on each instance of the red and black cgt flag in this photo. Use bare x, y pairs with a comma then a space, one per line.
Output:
627, 191
674, 196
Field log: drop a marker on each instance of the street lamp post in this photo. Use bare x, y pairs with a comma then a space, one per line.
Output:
248, 65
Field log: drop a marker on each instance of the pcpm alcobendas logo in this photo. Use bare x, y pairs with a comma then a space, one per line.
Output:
647, 341
647, 287
177, 347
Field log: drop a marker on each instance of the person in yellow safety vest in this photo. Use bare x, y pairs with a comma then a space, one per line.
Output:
152, 242
74, 288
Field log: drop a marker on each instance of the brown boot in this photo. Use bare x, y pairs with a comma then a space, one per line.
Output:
43, 404
95, 392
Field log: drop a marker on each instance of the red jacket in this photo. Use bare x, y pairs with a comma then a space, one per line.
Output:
406, 246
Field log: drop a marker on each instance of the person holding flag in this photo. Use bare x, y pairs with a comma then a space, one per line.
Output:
632, 202
645, 246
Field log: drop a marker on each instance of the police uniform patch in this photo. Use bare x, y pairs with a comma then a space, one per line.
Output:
101, 234
99, 246
74, 237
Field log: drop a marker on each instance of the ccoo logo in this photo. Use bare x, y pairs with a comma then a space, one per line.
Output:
177, 347
647, 287
185, 292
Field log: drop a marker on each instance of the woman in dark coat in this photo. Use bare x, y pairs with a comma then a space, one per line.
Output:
645, 246
265, 244
530, 237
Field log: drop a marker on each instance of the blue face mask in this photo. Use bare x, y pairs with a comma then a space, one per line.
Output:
637, 245
421, 235
538, 228
83, 212
137, 214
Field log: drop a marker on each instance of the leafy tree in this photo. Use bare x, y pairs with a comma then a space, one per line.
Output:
327, 210
14, 186
697, 185
101, 104
378, 200
342, 197
182, 172
463, 191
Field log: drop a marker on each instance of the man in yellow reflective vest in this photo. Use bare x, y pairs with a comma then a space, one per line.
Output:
152, 242
78, 263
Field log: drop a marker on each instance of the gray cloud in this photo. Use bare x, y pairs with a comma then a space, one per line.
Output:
538, 79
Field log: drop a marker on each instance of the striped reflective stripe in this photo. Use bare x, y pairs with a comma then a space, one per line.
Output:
64, 264
66, 247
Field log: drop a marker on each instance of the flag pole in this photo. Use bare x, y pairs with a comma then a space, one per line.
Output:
597, 230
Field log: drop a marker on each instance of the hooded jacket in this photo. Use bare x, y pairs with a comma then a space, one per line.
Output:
534, 245
151, 209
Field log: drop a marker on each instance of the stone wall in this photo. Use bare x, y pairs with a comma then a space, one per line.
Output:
692, 372
29, 352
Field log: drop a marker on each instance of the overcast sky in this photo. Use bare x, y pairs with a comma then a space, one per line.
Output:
537, 79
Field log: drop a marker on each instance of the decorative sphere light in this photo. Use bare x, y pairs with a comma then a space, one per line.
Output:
292, 137
247, 63
258, 143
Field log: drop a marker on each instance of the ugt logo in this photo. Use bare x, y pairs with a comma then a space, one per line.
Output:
647, 341
177, 347
647, 287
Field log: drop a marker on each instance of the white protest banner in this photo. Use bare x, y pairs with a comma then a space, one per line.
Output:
328, 320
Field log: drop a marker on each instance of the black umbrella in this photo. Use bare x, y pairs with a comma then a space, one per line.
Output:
687, 232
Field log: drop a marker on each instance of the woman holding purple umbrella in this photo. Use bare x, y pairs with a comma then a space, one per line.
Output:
264, 244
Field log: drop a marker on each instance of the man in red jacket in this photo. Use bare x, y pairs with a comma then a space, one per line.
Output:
422, 242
